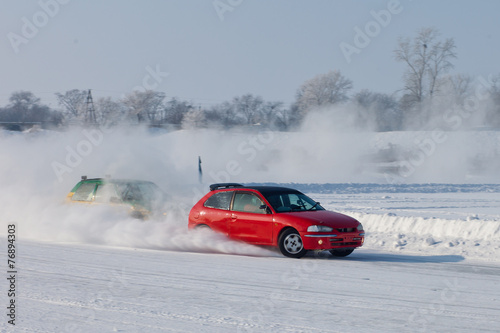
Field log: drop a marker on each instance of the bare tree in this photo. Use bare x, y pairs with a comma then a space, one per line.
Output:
25, 109
249, 107
460, 86
223, 114
441, 54
194, 118
144, 104
323, 89
286, 118
427, 59
22, 100
378, 110
73, 102
22, 104
109, 112
493, 114
175, 111
270, 111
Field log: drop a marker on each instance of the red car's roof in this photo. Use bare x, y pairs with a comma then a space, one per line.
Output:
262, 189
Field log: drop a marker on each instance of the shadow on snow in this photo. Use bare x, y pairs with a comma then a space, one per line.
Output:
388, 257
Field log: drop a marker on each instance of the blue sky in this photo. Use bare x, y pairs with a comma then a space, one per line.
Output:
214, 50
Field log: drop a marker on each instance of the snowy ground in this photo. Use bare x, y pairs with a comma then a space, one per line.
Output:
82, 288
431, 263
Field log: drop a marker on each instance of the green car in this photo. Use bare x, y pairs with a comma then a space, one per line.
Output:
142, 198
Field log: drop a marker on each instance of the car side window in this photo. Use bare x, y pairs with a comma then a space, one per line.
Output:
106, 193
133, 193
220, 200
84, 192
249, 203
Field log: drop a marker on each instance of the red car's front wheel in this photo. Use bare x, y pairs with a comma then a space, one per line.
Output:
291, 245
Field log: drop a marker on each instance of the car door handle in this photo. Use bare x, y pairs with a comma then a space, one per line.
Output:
233, 217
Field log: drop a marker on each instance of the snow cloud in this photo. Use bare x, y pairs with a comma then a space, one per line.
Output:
38, 169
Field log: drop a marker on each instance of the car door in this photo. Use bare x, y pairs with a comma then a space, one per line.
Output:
251, 220
216, 213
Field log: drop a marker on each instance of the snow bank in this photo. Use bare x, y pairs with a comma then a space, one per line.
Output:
473, 238
474, 229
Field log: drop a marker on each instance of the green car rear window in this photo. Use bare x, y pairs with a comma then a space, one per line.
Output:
84, 193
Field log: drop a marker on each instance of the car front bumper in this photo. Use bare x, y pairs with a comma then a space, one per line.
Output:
327, 241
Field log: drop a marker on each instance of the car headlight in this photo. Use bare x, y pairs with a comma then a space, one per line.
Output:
360, 227
319, 228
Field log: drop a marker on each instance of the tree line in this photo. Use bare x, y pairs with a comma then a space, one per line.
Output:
429, 92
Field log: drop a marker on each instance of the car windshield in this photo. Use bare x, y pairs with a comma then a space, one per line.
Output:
295, 201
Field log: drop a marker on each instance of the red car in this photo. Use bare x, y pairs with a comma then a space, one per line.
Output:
276, 216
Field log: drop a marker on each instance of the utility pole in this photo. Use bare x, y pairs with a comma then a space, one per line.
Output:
91, 119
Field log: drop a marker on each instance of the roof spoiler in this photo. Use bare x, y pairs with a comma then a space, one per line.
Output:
218, 186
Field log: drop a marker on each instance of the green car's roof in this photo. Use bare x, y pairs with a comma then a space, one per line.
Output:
109, 181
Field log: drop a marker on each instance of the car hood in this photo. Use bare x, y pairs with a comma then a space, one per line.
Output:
321, 217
